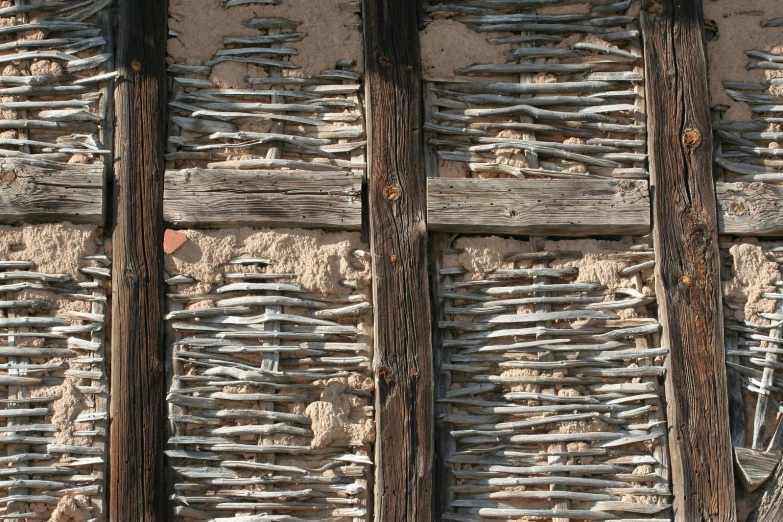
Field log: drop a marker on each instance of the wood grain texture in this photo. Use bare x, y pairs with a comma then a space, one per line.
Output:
545, 207
35, 191
754, 467
750, 209
398, 239
687, 260
137, 490
220, 198
770, 508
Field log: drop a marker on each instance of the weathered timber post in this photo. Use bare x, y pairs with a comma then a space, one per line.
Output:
137, 476
687, 267
398, 238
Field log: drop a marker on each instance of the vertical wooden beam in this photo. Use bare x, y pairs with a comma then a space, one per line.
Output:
137, 489
687, 268
398, 238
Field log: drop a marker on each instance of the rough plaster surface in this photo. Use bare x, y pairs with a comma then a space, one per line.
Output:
71, 509
752, 275
335, 420
54, 248
739, 30
480, 255
593, 267
202, 25
447, 45
320, 259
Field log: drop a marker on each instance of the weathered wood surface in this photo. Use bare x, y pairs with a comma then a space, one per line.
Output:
750, 209
45, 191
546, 207
137, 475
754, 467
398, 238
770, 509
687, 261
445, 445
216, 198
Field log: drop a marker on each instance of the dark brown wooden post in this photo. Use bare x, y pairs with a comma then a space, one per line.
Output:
398, 237
687, 269
136, 474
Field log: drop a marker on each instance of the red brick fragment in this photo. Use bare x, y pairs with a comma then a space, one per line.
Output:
172, 240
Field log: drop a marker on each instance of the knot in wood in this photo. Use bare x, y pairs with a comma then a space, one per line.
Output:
512, 213
691, 137
7, 177
738, 208
136, 65
652, 6
384, 373
392, 192
393, 258
415, 373
686, 280
384, 61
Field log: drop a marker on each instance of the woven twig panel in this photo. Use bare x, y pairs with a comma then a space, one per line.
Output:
749, 144
564, 101
271, 402
56, 60
53, 392
554, 382
279, 118
753, 303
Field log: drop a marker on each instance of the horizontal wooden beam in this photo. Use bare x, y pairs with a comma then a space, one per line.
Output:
750, 209
220, 198
540, 207
37, 191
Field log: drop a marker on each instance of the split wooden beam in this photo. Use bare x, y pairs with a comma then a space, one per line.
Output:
224, 198
539, 207
687, 260
137, 488
398, 239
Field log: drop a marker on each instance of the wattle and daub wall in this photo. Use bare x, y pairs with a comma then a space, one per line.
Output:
550, 369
